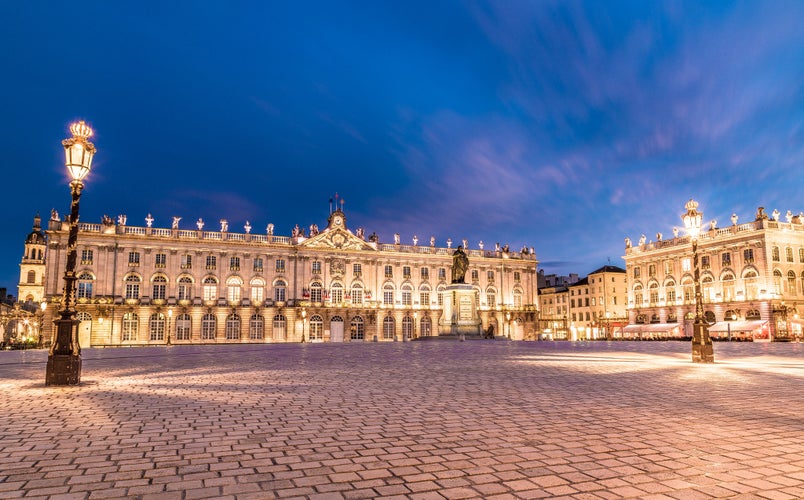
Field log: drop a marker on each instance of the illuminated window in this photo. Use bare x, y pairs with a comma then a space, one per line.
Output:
388, 328
233, 327
356, 329
84, 285
389, 271
212, 262
257, 290
159, 286
256, 328
357, 293
133, 286
156, 327
316, 327
160, 260
234, 263
183, 323
336, 293
186, 261
316, 291
208, 327
280, 288
133, 258
185, 288
210, 288
86, 257
233, 289
130, 327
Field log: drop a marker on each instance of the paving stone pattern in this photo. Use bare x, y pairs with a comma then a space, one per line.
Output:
430, 420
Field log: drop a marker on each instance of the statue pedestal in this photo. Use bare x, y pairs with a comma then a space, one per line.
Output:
460, 316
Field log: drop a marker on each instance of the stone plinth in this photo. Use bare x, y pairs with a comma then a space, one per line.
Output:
460, 315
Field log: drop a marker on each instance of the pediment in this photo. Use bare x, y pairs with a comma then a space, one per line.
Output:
336, 238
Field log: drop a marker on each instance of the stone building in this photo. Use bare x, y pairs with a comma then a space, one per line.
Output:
598, 304
752, 280
149, 285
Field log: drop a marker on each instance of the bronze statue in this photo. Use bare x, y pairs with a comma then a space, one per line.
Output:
460, 263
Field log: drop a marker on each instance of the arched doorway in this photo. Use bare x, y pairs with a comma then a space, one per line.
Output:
84, 329
336, 329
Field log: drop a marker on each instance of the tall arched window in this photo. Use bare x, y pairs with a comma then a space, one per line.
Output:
388, 294
638, 295
440, 291
185, 288
750, 279
491, 297
183, 324
84, 285
788, 253
210, 288
424, 295
775, 254
257, 290
233, 327
31, 277
208, 326
388, 327
234, 285
316, 327
407, 327
131, 325
777, 281
688, 289
132, 282
670, 291
706, 288
279, 327
159, 287
156, 327
280, 290
336, 293
256, 329
728, 286
653, 293
425, 327
357, 293
517, 297
316, 295
791, 283
407, 294
356, 329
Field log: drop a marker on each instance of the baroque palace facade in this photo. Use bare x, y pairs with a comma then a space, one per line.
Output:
752, 280
148, 285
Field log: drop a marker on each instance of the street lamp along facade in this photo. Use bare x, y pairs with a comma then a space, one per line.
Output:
702, 351
64, 359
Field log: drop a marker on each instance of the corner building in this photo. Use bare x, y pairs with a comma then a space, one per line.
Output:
151, 286
752, 281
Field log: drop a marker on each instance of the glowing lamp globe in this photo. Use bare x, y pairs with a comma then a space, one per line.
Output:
78, 151
692, 219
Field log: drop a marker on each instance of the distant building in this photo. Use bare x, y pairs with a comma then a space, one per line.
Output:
552, 280
553, 313
752, 277
598, 304
149, 285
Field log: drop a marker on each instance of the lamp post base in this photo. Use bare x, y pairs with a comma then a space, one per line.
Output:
63, 369
702, 351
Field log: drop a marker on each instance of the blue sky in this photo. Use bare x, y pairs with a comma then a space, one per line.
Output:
565, 126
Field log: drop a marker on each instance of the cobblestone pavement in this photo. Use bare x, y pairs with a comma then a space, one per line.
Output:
483, 419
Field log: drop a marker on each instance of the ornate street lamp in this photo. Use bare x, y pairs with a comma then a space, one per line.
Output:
64, 360
702, 351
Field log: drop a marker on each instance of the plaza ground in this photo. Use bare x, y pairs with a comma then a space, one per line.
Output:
482, 419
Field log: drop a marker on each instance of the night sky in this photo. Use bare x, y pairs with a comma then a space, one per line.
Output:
565, 126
